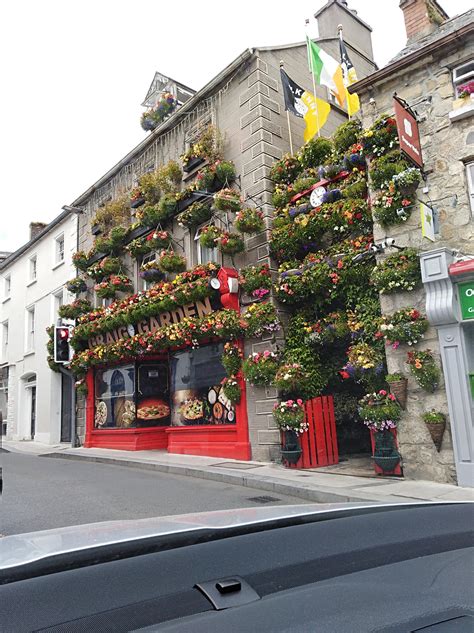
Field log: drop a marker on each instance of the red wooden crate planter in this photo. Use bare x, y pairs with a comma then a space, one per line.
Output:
319, 443
397, 471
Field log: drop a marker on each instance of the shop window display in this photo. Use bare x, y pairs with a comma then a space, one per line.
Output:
184, 390
197, 397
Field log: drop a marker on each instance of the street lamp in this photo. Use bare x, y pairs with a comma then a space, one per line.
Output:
77, 210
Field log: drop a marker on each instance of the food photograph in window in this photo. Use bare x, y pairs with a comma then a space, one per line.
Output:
153, 407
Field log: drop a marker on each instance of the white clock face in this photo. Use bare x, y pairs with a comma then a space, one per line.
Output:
131, 330
215, 283
316, 197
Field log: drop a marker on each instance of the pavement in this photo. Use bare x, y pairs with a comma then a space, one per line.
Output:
308, 485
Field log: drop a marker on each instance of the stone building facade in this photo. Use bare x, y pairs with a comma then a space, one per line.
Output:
426, 74
245, 102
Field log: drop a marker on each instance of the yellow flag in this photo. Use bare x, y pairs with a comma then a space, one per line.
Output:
315, 116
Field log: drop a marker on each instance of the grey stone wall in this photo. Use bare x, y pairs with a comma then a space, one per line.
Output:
428, 88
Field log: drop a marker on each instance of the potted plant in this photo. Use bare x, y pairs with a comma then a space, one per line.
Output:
209, 236
289, 416
285, 170
465, 94
435, 423
76, 285
260, 319
249, 220
151, 271
404, 326
230, 243
75, 309
260, 368
80, 260
256, 281
163, 108
227, 200
397, 272
231, 389
291, 378
194, 215
379, 411
424, 369
136, 198
108, 288
407, 181
232, 358
398, 387
225, 172
171, 262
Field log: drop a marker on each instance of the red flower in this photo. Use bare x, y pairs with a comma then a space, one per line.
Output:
344, 374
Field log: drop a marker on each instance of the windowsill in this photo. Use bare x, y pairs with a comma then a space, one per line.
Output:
30, 283
30, 353
61, 263
463, 112
6, 299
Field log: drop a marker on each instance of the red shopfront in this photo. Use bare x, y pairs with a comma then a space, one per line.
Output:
172, 400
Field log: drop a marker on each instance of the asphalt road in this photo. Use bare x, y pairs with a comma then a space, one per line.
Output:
40, 493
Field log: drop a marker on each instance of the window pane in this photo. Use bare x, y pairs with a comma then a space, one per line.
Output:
153, 406
114, 394
195, 387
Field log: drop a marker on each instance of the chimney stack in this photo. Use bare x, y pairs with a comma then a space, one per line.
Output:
422, 17
36, 228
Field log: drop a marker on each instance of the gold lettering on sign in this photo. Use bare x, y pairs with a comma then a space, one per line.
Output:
154, 324
177, 315
165, 319
122, 331
99, 339
143, 327
109, 339
189, 310
204, 307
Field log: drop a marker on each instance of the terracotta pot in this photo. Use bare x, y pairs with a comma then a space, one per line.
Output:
436, 430
399, 390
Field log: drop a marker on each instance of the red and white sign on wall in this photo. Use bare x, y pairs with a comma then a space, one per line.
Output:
408, 133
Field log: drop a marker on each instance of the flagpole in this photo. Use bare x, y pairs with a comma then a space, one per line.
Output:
282, 64
312, 77
339, 29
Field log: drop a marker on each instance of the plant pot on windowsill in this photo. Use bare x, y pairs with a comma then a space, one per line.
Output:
95, 229
137, 202
194, 162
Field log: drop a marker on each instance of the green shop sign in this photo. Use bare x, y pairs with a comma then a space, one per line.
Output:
466, 299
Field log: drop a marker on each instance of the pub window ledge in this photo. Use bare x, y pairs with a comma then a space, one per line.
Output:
464, 112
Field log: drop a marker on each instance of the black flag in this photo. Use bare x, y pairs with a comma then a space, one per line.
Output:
292, 93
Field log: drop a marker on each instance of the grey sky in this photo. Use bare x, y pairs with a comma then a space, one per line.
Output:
75, 74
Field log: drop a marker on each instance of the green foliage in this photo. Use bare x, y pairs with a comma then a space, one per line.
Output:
346, 135
196, 214
259, 369
400, 271
383, 169
434, 417
315, 152
112, 214
424, 369
286, 169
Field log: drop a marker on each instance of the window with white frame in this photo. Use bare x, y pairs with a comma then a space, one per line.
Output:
204, 254
4, 340
33, 268
7, 288
149, 257
30, 329
58, 299
470, 184
59, 249
462, 75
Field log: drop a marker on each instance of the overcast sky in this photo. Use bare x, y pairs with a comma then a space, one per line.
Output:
75, 73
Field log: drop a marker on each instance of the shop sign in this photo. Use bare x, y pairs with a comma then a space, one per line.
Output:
151, 324
408, 133
466, 299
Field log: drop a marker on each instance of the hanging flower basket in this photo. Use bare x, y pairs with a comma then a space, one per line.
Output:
227, 200
76, 285
249, 221
193, 216
80, 260
436, 424
75, 309
289, 416
407, 181
209, 236
379, 411
115, 283
232, 358
260, 368
171, 262
398, 387
253, 278
151, 271
165, 106
424, 369
231, 389
231, 243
